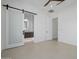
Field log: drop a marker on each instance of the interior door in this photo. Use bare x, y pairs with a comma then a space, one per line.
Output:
14, 28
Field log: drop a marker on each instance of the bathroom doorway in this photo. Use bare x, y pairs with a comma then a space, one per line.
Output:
28, 30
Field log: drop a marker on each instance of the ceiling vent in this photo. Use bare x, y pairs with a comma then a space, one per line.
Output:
51, 11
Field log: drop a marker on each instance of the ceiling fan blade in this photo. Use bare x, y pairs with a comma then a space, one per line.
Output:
59, 3
47, 3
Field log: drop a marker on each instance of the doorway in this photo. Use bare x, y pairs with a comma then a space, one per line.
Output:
55, 28
28, 30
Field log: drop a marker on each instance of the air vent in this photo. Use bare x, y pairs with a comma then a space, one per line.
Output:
50, 11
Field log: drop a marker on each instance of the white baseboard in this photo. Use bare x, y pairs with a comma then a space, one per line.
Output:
68, 43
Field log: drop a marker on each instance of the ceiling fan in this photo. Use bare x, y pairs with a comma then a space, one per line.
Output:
60, 1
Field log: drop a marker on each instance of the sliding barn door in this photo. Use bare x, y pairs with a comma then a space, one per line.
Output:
14, 28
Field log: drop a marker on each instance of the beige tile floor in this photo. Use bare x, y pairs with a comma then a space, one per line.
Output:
43, 50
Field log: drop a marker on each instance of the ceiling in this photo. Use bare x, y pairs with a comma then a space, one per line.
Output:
39, 4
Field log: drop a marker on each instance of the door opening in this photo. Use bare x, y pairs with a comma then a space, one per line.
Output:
28, 31
55, 28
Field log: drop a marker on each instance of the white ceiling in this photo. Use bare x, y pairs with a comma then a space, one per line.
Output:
39, 4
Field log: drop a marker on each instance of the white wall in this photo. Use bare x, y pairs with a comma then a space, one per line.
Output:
67, 25
42, 28
3, 26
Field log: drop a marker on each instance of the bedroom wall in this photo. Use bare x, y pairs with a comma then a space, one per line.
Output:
43, 28
67, 25
3, 25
